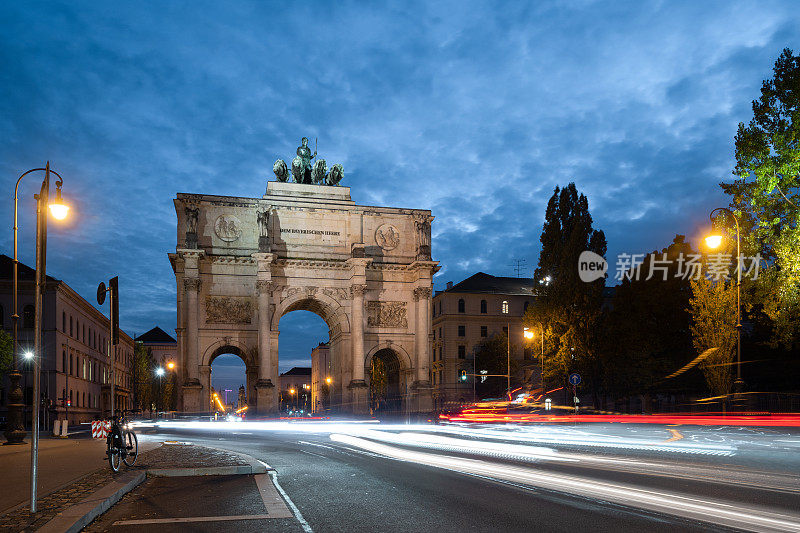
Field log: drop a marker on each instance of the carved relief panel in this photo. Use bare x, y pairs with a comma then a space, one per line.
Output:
228, 310
387, 315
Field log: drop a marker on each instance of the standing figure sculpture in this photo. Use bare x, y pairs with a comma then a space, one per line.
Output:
301, 165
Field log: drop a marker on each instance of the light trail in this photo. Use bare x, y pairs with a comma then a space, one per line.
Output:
710, 511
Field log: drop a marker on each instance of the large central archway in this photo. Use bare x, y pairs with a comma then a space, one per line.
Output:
243, 263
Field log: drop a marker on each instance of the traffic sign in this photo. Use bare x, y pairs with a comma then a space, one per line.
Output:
101, 293
574, 379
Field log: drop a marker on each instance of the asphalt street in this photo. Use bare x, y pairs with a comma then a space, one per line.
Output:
572, 478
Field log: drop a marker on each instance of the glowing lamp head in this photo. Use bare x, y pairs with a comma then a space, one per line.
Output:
328, 380
28, 356
714, 241
527, 333
171, 365
58, 208
159, 371
291, 391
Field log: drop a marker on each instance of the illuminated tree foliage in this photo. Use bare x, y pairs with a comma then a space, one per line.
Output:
143, 377
713, 310
6, 352
568, 308
766, 192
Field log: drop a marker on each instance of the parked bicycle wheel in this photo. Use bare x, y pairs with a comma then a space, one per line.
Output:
132, 446
114, 457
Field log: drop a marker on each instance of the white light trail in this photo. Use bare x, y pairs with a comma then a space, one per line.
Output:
716, 512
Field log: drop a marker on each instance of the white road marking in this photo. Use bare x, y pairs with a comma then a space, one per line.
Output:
290, 503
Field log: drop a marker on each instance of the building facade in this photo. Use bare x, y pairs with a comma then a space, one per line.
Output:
465, 316
76, 368
295, 389
321, 380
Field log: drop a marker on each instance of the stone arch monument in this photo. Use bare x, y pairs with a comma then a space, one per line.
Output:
243, 263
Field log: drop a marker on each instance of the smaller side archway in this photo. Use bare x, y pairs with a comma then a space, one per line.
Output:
228, 347
386, 368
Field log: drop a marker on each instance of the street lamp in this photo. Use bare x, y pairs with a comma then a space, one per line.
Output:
528, 333
714, 241
160, 374
171, 365
15, 432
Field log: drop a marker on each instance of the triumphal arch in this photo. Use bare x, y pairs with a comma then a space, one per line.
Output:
243, 263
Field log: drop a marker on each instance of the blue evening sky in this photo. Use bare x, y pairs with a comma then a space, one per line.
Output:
474, 110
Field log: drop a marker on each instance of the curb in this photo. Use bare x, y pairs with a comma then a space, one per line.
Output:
79, 516
75, 518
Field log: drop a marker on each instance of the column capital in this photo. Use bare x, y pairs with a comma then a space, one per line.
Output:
266, 286
263, 257
422, 293
357, 289
192, 284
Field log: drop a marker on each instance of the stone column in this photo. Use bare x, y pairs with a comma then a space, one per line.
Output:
422, 297
357, 331
422, 393
192, 389
266, 394
357, 386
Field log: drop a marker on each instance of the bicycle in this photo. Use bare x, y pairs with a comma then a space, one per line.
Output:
122, 446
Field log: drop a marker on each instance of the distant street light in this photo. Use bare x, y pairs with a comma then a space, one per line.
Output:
714, 241
328, 380
528, 333
171, 365
28, 355
159, 371
160, 374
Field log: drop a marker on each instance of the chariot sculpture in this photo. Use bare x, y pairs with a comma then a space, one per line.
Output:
302, 171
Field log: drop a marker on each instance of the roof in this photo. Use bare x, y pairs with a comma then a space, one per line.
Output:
156, 336
24, 272
298, 371
486, 283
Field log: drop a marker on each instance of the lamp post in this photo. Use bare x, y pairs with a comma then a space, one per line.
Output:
160, 374
713, 241
16, 430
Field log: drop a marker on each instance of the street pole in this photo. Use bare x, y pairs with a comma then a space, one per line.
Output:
41, 262
541, 328
508, 360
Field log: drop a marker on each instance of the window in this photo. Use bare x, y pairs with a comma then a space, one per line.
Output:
70, 326
63, 322
434, 334
462, 351
505, 307
462, 331
70, 396
461, 305
440, 334
484, 331
440, 353
84, 334
483, 306
440, 307
84, 400
63, 361
27, 317
70, 364
90, 400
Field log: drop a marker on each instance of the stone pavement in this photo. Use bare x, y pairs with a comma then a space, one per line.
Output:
165, 456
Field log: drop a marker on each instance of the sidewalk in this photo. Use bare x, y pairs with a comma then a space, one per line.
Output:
98, 488
62, 463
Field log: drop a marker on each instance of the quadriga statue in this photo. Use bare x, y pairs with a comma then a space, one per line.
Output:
318, 172
280, 170
335, 175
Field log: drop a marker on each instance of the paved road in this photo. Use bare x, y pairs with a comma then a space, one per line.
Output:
357, 477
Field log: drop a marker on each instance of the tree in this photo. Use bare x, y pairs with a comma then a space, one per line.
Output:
713, 309
648, 333
6, 353
766, 192
143, 377
568, 308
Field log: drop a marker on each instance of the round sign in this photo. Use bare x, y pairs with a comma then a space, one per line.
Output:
101, 293
575, 379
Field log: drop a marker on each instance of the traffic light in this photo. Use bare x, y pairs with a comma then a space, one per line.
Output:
463, 375
113, 286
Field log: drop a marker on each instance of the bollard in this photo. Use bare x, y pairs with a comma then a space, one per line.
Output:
56, 427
